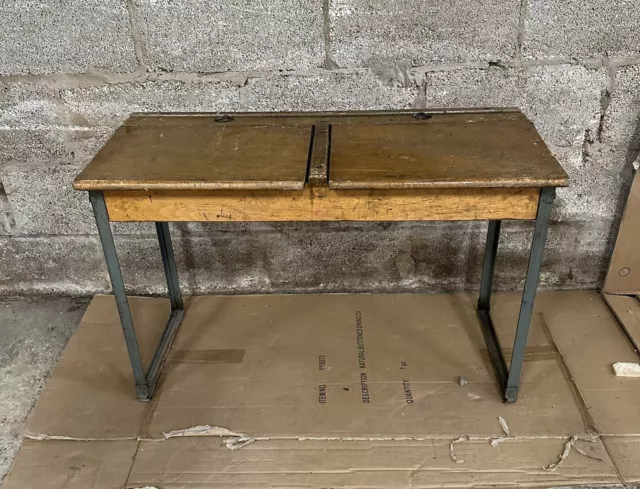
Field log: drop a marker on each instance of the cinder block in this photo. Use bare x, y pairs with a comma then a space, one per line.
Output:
35, 126
313, 258
562, 100
58, 36
574, 28
32, 146
84, 144
6, 216
376, 256
110, 105
600, 176
368, 257
392, 257
30, 106
69, 265
622, 117
576, 254
368, 32
27, 148
43, 201
475, 87
231, 35
213, 263
330, 91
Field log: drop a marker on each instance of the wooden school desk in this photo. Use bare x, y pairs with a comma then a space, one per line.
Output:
437, 165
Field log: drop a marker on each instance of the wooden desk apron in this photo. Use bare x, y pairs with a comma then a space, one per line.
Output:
487, 164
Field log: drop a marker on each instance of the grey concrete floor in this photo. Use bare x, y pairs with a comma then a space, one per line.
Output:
33, 333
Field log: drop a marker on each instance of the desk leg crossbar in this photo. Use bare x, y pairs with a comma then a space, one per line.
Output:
145, 382
509, 378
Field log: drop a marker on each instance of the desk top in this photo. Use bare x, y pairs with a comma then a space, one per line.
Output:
361, 150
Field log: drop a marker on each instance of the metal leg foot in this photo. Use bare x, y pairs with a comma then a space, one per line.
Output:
509, 378
145, 384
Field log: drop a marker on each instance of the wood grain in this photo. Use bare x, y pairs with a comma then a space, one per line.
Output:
453, 153
368, 150
207, 155
623, 276
323, 204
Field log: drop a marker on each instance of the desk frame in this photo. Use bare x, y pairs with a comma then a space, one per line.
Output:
508, 377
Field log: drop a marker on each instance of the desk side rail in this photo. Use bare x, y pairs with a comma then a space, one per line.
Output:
324, 204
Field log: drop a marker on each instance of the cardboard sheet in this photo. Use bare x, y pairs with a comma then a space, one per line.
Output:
89, 395
72, 465
591, 340
372, 354
202, 462
624, 450
623, 276
351, 390
627, 311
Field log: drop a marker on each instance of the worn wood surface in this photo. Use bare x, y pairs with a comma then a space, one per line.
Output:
207, 155
466, 151
623, 276
323, 204
385, 150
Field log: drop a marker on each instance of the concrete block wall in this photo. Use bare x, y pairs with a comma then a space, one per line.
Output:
72, 70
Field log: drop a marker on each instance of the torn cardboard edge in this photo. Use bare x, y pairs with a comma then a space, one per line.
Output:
234, 440
494, 442
504, 425
568, 446
452, 452
571, 443
213, 431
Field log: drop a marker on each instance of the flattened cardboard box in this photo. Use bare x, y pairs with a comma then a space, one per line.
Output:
334, 390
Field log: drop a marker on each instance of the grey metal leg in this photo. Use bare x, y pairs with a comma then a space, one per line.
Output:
491, 249
547, 196
169, 262
145, 384
509, 378
484, 304
175, 299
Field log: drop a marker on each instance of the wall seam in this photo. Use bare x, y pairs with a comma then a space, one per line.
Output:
329, 63
92, 79
138, 45
521, 30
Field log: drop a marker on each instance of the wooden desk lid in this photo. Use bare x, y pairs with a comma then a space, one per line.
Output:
355, 150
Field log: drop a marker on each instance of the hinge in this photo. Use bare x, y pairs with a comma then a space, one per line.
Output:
223, 118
